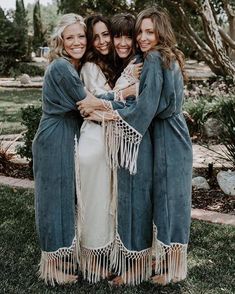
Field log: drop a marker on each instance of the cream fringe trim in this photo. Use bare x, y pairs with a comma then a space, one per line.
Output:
170, 261
55, 266
95, 263
122, 144
133, 266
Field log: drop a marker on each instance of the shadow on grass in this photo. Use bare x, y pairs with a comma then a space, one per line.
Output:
210, 256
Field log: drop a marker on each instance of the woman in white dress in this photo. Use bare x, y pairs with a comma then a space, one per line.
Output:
96, 183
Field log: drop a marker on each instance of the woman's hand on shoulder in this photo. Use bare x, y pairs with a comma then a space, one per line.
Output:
137, 70
134, 69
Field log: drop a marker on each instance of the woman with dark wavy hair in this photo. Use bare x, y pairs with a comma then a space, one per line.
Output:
100, 46
123, 30
155, 120
95, 177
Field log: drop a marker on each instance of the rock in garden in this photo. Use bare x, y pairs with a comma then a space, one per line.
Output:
226, 181
212, 128
25, 79
200, 183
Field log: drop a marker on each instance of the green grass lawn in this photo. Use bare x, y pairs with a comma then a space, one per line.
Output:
11, 101
211, 256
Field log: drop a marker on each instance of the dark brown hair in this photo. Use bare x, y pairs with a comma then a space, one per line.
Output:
123, 24
105, 62
164, 34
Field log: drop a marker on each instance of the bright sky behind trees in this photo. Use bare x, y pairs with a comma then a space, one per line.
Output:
10, 4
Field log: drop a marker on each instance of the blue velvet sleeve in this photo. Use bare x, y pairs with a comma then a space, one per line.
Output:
71, 82
140, 114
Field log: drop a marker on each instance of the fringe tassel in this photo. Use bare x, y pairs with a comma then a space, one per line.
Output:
95, 263
133, 266
122, 144
171, 261
59, 266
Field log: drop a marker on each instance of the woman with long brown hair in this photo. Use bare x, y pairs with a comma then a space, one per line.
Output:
95, 178
156, 120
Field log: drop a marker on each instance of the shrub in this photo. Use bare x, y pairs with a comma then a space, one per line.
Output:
30, 118
6, 63
10, 67
30, 69
200, 110
225, 113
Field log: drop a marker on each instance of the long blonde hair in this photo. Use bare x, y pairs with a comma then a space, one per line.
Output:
164, 34
57, 42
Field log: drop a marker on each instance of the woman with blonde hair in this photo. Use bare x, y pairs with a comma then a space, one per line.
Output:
53, 154
155, 120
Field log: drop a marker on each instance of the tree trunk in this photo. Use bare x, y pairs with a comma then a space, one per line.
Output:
231, 20
215, 41
212, 49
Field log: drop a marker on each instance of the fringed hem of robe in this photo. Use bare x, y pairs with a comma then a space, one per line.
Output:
55, 266
170, 261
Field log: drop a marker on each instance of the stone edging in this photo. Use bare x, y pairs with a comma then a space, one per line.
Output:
213, 217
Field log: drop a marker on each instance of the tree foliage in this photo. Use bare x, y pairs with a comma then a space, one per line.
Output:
84, 7
14, 38
38, 35
21, 30
8, 45
213, 43
49, 18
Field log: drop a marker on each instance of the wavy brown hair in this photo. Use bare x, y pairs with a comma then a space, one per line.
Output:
105, 62
57, 42
164, 34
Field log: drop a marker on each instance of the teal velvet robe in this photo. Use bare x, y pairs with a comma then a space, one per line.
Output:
53, 156
54, 170
154, 203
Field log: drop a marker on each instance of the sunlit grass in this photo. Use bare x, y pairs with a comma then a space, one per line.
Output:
11, 102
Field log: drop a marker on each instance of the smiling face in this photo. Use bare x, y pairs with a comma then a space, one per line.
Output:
102, 38
123, 45
75, 41
146, 37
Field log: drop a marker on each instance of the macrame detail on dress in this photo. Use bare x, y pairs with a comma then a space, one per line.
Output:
122, 144
57, 266
127, 78
170, 261
95, 263
133, 266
